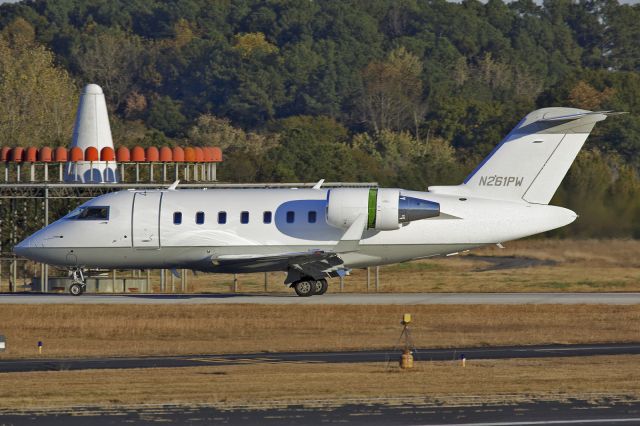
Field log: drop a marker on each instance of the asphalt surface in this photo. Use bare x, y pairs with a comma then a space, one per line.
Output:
471, 354
594, 413
331, 299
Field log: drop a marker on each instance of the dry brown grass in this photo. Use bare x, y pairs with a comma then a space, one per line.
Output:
582, 266
270, 384
91, 330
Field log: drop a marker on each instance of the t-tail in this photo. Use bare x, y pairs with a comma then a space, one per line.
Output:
530, 163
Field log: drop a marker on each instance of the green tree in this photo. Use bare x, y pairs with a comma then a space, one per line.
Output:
37, 98
165, 116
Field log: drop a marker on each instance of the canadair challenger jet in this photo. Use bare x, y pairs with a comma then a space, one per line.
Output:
314, 234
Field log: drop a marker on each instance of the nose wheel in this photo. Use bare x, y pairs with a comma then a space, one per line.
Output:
78, 285
76, 289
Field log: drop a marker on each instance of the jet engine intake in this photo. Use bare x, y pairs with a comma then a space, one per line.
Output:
386, 209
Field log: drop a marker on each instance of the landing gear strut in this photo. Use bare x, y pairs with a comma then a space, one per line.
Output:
78, 286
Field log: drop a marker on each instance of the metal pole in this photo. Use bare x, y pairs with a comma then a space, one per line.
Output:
341, 284
149, 289
113, 281
182, 280
173, 284
368, 278
45, 271
377, 278
15, 275
235, 283
162, 281
266, 282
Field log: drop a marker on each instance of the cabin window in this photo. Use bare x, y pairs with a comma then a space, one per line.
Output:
222, 217
200, 218
92, 213
177, 218
244, 217
312, 216
291, 216
266, 217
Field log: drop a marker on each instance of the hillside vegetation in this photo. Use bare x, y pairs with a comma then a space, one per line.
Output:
403, 92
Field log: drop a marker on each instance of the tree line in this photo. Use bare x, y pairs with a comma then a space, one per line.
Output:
407, 93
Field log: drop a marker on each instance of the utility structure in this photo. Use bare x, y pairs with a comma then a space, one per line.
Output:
406, 360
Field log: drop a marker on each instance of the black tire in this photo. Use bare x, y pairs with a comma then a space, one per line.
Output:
304, 288
76, 289
321, 287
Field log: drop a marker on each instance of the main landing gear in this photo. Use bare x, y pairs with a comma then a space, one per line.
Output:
78, 286
310, 287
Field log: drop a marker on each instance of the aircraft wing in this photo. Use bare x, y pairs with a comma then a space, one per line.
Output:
317, 264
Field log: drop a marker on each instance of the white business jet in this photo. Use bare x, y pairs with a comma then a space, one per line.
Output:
316, 233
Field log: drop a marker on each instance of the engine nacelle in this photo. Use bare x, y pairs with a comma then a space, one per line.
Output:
386, 209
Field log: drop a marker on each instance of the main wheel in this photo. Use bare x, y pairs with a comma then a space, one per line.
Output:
321, 287
304, 288
76, 289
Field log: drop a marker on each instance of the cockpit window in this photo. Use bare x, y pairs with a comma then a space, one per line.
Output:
91, 213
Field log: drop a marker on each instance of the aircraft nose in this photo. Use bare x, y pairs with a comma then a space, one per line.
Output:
23, 248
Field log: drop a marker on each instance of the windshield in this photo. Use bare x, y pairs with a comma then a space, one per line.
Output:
90, 213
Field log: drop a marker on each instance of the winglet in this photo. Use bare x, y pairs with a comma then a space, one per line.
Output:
319, 184
174, 185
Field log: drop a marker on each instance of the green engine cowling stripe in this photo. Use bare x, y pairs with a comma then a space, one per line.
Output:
373, 201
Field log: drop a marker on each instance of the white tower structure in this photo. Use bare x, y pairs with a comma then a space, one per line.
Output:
92, 129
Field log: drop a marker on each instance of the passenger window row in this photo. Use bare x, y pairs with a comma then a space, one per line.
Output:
267, 216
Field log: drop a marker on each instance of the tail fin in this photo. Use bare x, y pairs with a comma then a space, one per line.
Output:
532, 160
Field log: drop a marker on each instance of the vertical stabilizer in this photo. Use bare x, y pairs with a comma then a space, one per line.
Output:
92, 129
530, 163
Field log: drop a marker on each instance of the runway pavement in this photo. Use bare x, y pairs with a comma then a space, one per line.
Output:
420, 354
331, 299
599, 412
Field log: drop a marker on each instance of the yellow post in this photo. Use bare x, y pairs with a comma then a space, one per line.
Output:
406, 361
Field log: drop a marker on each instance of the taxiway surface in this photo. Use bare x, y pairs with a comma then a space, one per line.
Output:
426, 354
332, 299
592, 413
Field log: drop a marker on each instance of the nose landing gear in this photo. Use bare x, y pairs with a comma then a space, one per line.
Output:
78, 286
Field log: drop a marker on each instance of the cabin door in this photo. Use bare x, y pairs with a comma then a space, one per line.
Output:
145, 226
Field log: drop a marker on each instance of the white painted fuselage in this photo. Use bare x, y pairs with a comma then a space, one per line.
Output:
141, 230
